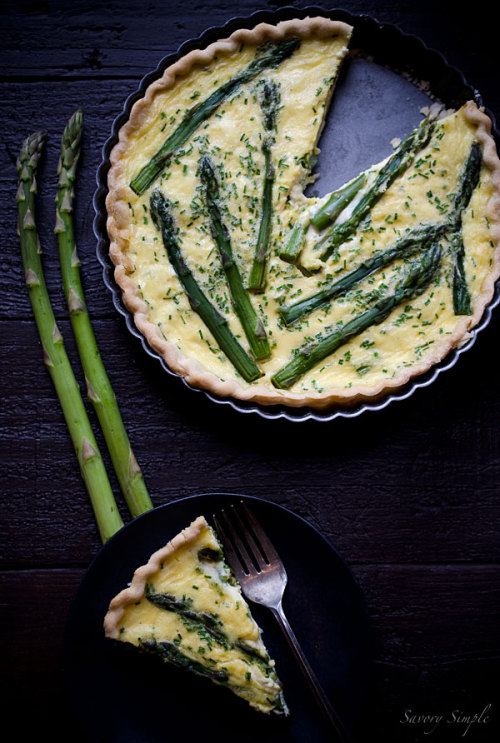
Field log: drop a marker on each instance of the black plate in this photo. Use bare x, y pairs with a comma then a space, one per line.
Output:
121, 696
376, 95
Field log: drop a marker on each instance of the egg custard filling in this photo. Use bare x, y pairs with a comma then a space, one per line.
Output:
186, 607
250, 289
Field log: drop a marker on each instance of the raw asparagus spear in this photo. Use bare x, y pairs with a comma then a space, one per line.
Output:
99, 387
216, 323
337, 202
250, 321
54, 353
393, 167
268, 56
405, 246
469, 178
411, 285
269, 100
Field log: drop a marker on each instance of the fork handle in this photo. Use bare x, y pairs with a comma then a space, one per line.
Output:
310, 676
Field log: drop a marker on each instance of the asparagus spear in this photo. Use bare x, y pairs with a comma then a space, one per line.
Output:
216, 323
268, 56
460, 289
411, 285
293, 247
393, 167
405, 246
325, 215
250, 321
269, 100
99, 387
54, 353
469, 178
414, 240
337, 202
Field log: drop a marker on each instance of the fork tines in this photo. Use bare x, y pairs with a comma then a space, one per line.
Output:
244, 539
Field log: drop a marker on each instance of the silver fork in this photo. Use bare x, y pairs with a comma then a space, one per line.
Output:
263, 579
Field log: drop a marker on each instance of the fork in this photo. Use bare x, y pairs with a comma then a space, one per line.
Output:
263, 579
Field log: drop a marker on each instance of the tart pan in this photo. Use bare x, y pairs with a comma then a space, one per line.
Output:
385, 68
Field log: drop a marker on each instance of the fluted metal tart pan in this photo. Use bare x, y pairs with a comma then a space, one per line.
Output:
388, 78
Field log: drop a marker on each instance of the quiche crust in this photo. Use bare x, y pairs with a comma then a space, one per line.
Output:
187, 365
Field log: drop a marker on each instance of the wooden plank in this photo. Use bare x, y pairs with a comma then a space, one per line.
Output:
113, 40
434, 630
83, 39
436, 650
383, 491
407, 495
33, 618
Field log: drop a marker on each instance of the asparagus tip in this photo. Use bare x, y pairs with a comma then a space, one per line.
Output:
31, 150
70, 149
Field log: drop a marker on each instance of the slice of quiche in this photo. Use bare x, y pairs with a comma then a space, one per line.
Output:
186, 607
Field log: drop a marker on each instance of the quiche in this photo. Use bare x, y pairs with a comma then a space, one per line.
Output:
251, 289
185, 607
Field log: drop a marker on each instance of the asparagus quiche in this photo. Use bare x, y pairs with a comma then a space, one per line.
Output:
251, 289
186, 607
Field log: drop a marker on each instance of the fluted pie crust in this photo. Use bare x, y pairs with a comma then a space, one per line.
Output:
372, 364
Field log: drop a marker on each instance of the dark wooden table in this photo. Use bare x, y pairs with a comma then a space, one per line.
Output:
407, 495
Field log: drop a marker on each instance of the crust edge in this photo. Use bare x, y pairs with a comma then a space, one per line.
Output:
137, 586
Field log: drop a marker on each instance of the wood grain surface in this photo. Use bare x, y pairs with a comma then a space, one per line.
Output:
408, 495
